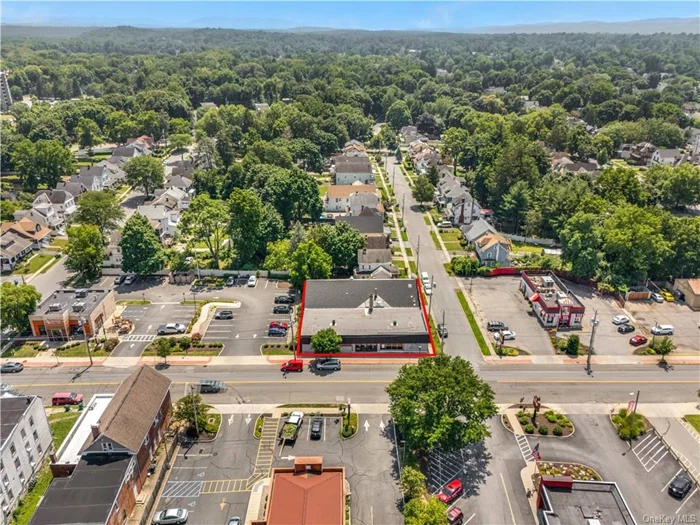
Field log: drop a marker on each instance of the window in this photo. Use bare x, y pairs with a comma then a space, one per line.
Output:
145, 441
31, 458
38, 447
5, 480
22, 433
21, 477
35, 435
106, 447
13, 450
9, 493
17, 463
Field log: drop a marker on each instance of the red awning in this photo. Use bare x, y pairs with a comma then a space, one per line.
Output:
534, 297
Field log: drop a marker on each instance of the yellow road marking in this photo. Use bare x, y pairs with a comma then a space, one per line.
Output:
510, 507
607, 381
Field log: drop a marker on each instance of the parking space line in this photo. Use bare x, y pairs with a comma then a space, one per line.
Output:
643, 441
672, 478
470, 518
686, 500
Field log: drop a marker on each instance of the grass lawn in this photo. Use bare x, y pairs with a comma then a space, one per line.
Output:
268, 349
323, 190
409, 252
426, 219
33, 264
694, 421
451, 234
60, 424
414, 267
472, 323
436, 336
404, 236
61, 243
399, 263
133, 301
434, 236
213, 423
453, 246
51, 264
526, 248
449, 270
80, 351
26, 350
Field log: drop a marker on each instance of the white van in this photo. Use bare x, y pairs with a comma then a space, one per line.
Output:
425, 278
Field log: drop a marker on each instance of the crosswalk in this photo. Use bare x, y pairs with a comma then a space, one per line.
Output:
224, 486
182, 489
524, 446
266, 451
138, 338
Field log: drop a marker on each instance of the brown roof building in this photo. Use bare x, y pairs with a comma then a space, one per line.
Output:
307, 494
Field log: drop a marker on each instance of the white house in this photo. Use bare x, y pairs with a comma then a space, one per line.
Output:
346, 198
24, 443
172, 199
45, 215
165, 221
491, 247
368, 260
94, 178
666, 156
113, 251
349, 170
62, 201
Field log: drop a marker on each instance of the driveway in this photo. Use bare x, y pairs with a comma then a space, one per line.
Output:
147, 319
499, 299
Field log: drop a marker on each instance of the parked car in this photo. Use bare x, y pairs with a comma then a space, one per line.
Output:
428, 289
234, 521
620, 319
442, 330
451, 491
279, 324
119, 279
252, 281
656, 297
66, 398
231, 281
11, 367
170, 517
210, 386
284, 299
282, 309
680, 486
444, 224
276, 332
496, 326
625, 328
662, 329
316, 428
638, 340
455, 516
171, 328
504, 335
223, 314
130, 279
293, 365
668, 296
329, 363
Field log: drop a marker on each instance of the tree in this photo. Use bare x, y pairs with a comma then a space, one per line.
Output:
398, 115
422, 190
45, 162
145, 172
342, 243
88, 133
572, 344
433, 175
620, 185
515, 203
309, 261
629, 424
101, 209
326, 341
674, 187
245, 216
163, 348
191, 412
119, 127
17, 303
581, 244
142, 252
206, 220
604, 148
85, 250
278, 256
430, 511
180, 141
455, 142
412, 483
664, 347
440, 402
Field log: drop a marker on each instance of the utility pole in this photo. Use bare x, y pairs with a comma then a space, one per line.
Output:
83, 323
418, 254
636, 401
194, 408
594, 326
442, 339
403, 204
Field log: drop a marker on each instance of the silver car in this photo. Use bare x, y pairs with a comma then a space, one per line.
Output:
170, 517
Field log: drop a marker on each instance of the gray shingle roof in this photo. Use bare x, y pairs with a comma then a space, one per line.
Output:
372, 256
364, 223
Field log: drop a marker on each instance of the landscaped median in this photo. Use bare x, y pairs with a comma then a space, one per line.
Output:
202, 311
276, 349
483, 345
181, 346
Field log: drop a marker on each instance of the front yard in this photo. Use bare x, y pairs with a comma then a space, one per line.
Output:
32, 265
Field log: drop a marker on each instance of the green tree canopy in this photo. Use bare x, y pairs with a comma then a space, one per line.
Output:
142, 252
99, 208
17, 302
206, 220
85, 250
43, 162
309, 261
326, 341
431, 511
422, 190
145, 172
191, 412
440, 402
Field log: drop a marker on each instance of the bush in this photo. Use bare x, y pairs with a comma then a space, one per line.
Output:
529, 429
543, 430
564, 422
196, 337
552, 418
523, 420
110, 344
521, 413
184, 342
629, 425
572, 344
557, 431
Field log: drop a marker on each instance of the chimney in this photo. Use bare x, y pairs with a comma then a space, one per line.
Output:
371, 302
95, 431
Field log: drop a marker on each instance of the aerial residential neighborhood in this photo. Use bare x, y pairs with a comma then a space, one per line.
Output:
395, 263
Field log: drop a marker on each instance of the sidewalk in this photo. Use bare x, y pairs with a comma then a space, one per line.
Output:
685, 441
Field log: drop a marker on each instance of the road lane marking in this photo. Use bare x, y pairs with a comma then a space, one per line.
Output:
602, 381
510, 507
671, 480
242, 382
686, 500
470, 518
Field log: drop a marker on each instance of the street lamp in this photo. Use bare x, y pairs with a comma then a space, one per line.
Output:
653, 334
634, 410
194, 408
83, 323
594, 325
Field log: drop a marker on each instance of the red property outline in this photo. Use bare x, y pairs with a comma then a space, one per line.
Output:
298, 354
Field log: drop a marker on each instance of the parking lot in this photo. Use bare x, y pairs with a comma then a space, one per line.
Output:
642, 473
147, 319
685, 322
499, 299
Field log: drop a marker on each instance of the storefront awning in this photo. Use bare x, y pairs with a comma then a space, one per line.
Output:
534, 297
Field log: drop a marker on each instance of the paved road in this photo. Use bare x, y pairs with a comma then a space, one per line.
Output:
461, 339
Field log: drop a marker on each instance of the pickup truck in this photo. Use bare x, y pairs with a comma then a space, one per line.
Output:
292, 427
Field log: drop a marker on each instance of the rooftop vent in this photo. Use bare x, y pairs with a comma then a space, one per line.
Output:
79, 307
81, 292
55, 307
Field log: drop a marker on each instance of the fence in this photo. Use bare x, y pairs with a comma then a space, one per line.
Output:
548, 243
153, 497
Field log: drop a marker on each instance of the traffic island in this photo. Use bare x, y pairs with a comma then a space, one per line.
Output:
630, 425
519, 419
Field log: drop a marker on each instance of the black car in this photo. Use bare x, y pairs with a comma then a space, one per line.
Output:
210, 386
680, 486
316, 428
625, 328
282, 309
119, 279
496, 326
442, 330
284, 299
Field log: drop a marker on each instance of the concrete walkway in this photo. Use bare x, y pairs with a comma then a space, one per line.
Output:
683, 440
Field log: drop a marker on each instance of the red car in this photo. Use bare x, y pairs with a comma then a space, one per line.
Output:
451, 491
638, 340
455, 516
278, 324
293, 365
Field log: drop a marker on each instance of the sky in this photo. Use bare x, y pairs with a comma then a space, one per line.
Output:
392, 15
